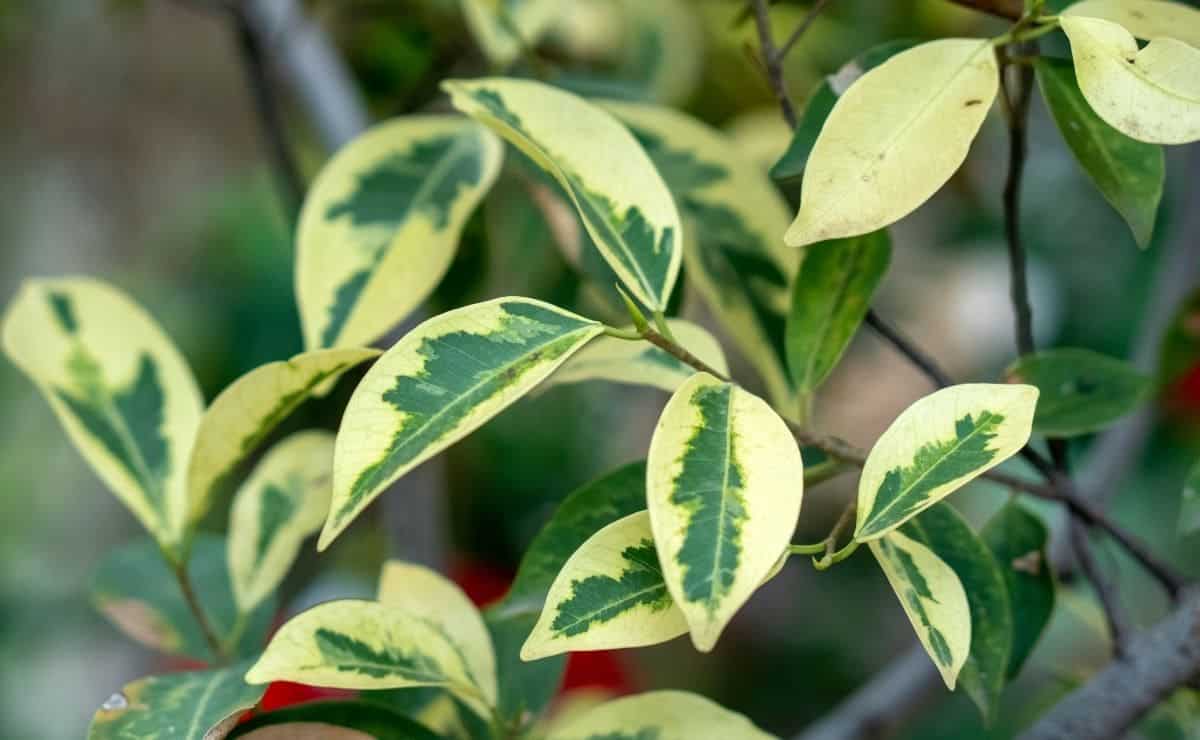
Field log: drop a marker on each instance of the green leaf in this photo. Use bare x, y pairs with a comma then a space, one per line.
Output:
525, 687
1128, 173
284, 501
1145, 19
938, 445
1151, 94
1080, 391
724, 485
382, 223
831, 296
609, 594
246, 412
323, 718
138, 593
947, 535
820, 104
439, 383
200, 705
503, 28
120, 389
733, 217
894, 138
1189, 508
1017, 539
933, 599
626, 207
658, 715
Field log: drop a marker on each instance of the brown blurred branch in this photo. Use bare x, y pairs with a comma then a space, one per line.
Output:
1009, 9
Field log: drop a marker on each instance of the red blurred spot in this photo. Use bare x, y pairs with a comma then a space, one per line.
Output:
1183, 394
282, 694
483, 584
602, 669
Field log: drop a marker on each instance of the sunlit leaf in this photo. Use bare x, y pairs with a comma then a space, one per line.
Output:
724, 485
1081, 391
382, 222
625, 206
440, 382
282, 503
1151, 94
503, 28
1017, 539
120, 389
1128, 173
1145, 19
659, 715
609, 594
938, 445
894, 138
933, 599
332, 720
201, 705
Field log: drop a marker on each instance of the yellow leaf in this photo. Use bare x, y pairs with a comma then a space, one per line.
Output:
662, 715
1145, 19
504, 27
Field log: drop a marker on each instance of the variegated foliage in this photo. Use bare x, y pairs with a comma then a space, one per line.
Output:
658, 715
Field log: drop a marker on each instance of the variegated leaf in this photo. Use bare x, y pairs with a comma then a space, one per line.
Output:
938, 445
242, 416
119, 387
427, 595
1145, 19
283, 501
351, 644
724, 483
733, 217
659, 715
609, 594
333, 720
641, 363
1151, 94
200, 705
440, 382
894, 138
623, 201
382, 222
933, 599
504, 27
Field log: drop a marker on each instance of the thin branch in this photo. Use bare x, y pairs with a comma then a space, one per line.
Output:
773, 62
681, 354
813, 13
905, 346
193, 603
1016, 87
1106, 590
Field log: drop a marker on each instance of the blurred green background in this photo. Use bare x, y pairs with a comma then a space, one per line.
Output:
130, 150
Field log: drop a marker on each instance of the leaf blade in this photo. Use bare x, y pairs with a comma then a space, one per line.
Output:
1145, 19
1018, 541
1080, 391
661, 715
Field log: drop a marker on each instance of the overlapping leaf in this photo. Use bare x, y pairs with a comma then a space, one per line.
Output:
283, 501
1151, 94
504, 27
609, 594
724, 485
1017, 540
382, 222
1080, 391
1145, 19
894, 138
439, 383
625, 206
933, 599
200, 705
119, 387
938, 445
324, 720
659, 715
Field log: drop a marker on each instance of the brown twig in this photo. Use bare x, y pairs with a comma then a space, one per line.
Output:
1106, 590
1009, 9
193, 603
773, 61
1016, 85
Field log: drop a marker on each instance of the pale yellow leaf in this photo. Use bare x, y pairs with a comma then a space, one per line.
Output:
1145, 19
662, 715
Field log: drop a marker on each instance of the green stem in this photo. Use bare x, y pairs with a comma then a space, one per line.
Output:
628, 334
837, 557
813, 549
660, 323
189, 596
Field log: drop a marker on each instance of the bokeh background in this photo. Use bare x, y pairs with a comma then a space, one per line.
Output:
131, 149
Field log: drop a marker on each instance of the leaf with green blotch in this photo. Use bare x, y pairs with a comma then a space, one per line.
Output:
196, 705
894, 138
381, 224
625, 206
949, 537
242, 416
732, 220
439, 383
641, 363
138, 593
658, 715
1081, 391
504, 28
1145, 19
283, 501
357, 720
352, 644
1151, 93
829, 300
609, 594
724, 484
820, 103
1128, 173
120, 389
938, 445
1189, 508
933, 599
427, 595
1017, 540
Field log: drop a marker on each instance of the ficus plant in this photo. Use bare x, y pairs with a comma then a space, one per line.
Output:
675, 544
